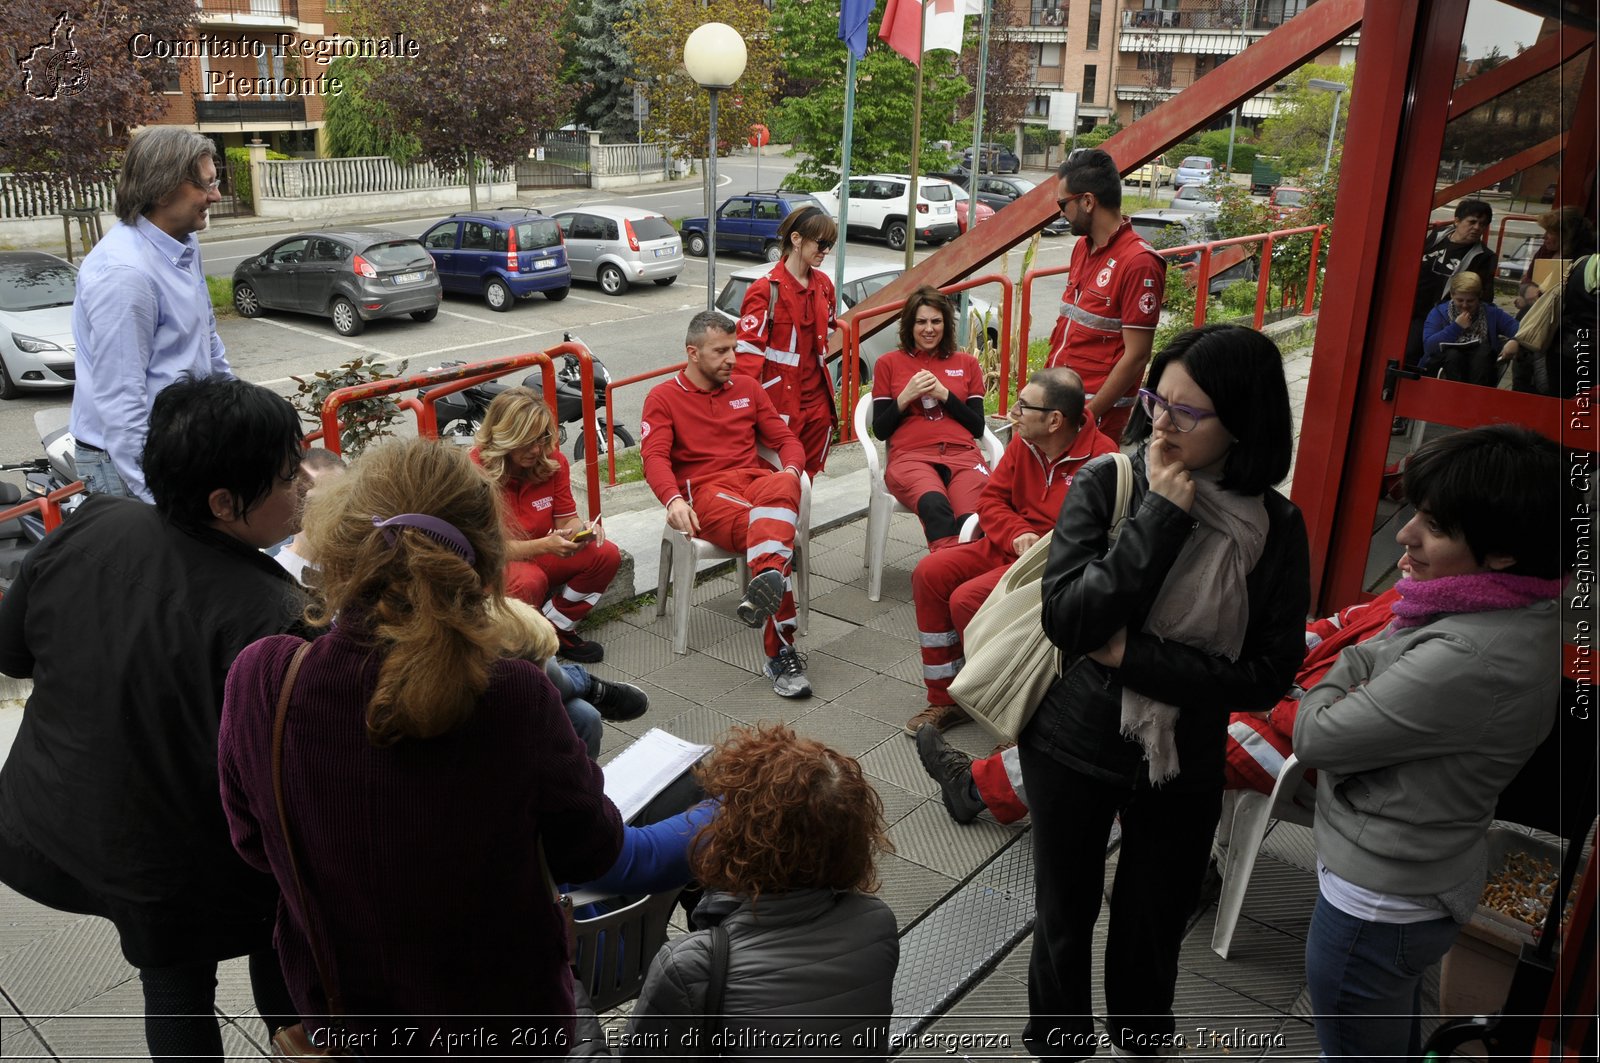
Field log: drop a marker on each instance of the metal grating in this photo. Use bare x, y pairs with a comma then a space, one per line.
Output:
877, 650
850, 603
637, 653
832, 678
849, 732
664, 707
57, 972
886, 699
700, 679
929, 837
909, 889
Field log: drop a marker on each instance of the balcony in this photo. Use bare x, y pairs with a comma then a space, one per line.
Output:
277, 13
240, 111
1221, 17
1049, 16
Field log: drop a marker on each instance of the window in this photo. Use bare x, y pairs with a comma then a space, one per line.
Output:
170, 81
1039, 107
441, 239
608, 230
1047, 54
289, 253
1090, 73
1093, 44
325, 251
476, 236
739, 208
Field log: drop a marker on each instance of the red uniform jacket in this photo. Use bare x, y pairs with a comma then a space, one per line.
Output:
1115, 287
533, 509
687, 433
1024, 494
775, 353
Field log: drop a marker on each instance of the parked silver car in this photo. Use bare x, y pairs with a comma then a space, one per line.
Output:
860, 280
36, 345
617, 246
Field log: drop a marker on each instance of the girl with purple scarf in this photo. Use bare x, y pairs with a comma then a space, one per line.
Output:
1415, 732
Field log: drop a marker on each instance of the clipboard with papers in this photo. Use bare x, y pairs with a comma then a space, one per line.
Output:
645, 768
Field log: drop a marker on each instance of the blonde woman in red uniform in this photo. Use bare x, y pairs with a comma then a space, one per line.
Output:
784, 326
927, 407
555, 560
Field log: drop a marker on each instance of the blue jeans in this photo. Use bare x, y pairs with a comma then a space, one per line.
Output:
572, 683
99, 475
1366, 982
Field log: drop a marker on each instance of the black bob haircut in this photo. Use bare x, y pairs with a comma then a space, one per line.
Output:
1095, 172
1242, 373
1499, 488
217, 432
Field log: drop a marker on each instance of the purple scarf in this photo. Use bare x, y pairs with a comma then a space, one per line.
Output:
1422, 600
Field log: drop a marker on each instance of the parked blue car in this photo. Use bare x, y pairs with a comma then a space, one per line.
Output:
747, 223
503, 255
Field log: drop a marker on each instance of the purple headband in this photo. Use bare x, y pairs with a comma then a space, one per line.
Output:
441, 531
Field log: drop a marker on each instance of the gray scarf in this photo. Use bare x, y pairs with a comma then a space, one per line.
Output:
1203, 603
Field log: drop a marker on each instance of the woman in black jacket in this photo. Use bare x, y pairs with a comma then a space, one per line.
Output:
1198, 610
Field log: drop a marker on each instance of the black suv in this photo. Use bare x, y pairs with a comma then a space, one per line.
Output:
747, 223
503, 255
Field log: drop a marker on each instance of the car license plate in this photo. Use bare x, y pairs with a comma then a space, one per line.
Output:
545, 263
666, 252
410, 278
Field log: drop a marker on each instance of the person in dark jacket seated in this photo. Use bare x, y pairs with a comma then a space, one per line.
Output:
127, 618
787, 864
1198, 610
427, 779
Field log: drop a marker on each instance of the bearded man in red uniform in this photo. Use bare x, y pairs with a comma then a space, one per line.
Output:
698, 436
1051, 440
1112, 301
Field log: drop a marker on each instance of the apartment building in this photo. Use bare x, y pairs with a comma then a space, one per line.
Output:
254, 69
1125, 57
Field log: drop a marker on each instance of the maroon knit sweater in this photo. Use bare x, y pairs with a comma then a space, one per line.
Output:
419, 859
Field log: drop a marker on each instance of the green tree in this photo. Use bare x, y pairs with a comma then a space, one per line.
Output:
357, 125
483, 81
654, 32
600, 65
886, 82
1298, 133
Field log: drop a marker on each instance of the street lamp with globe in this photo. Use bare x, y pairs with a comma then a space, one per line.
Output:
715, 56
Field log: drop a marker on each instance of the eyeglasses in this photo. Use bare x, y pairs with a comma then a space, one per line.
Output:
1182, 418
1061, 204
824, 246
1020, 405
205, 186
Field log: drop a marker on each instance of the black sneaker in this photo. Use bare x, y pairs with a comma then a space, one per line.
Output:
617, 701
952, 770
788, 674
762, 597
574, 647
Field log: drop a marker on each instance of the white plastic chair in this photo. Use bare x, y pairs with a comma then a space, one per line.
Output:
613, 951
882, 506
1251, 816
681, 555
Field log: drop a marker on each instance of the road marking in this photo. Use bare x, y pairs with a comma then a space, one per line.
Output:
722, 179
323, 336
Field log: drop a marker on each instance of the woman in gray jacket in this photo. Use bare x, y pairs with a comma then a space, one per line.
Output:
808, 958
1415, 731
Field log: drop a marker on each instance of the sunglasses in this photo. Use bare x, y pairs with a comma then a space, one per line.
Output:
1182, 418
1061, 204
824, 245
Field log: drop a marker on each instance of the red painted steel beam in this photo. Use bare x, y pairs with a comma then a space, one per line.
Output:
1547, 54
1264, 63
1578, 166
1493, 175
1398, 107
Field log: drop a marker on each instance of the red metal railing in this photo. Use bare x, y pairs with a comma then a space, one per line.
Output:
851, 349
1201, 276
49, 506
458, 378
1500, 233
611, 417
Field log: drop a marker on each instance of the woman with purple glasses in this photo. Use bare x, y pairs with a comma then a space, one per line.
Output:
425, 777
1197, 610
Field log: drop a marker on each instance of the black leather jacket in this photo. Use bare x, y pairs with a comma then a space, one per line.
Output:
1090, 593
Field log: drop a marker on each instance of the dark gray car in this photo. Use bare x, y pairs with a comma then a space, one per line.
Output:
352, 277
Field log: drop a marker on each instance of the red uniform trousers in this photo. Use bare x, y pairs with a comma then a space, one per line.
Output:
814, 429
947, 587
754, 510
956, 472
998, 780
566, 588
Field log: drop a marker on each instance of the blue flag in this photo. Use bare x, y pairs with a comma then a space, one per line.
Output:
853, 16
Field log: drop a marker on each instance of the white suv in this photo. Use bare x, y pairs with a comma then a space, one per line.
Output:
878, 205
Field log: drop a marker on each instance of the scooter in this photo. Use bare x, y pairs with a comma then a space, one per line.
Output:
460, 414
41, 477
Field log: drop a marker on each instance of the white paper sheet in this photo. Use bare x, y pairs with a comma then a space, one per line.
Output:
645, 768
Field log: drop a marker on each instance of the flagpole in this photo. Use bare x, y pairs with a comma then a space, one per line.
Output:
916, 138
844, 179
977, 145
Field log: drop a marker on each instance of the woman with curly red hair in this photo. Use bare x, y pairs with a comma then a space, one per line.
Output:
787, 863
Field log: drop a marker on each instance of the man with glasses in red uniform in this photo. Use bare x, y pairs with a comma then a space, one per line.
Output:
1112, 301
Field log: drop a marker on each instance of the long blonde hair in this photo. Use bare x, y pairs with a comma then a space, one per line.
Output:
516, 418
430, 611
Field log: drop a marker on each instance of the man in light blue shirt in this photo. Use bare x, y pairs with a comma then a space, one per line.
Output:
143, 315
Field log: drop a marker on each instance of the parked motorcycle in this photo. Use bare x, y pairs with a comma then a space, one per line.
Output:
460, 414
41, 476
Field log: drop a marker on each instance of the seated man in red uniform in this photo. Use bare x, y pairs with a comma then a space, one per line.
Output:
1258, 742
1051, 439
1112, 301
557, 562
698, 436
